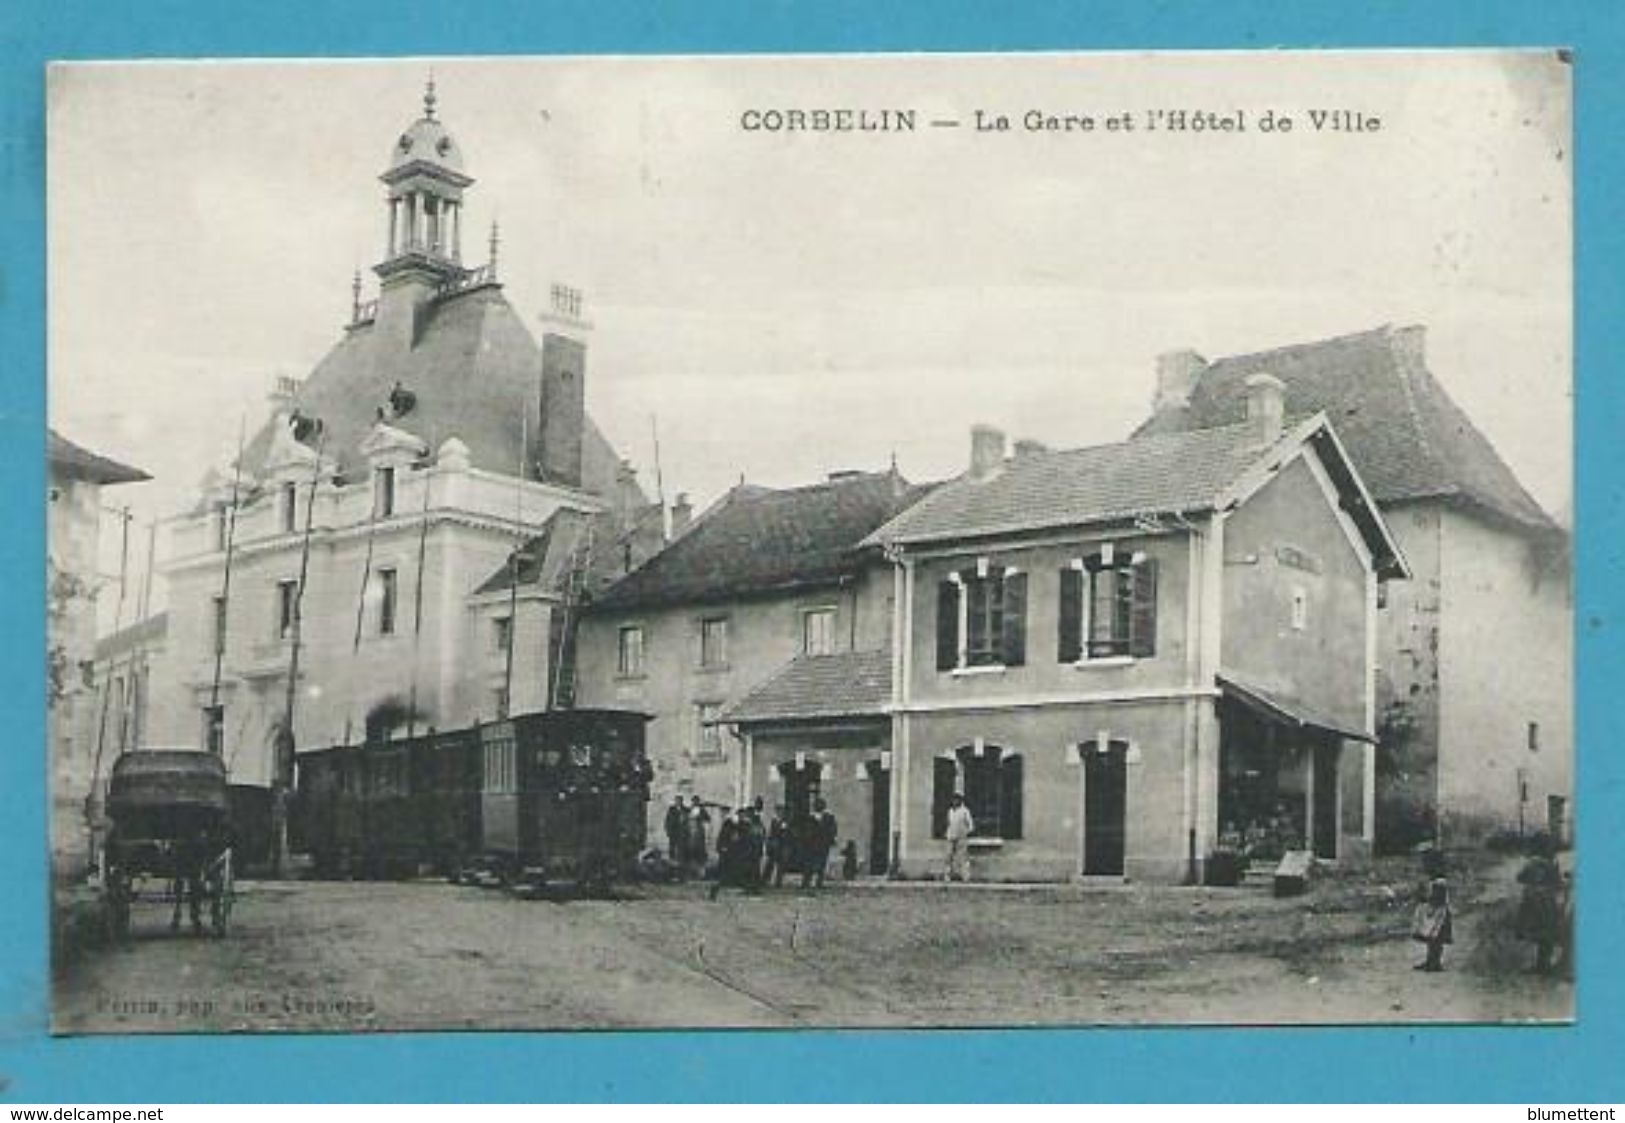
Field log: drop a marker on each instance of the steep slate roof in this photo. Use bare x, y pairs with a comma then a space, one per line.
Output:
1408, 439
80, 463
848, 684
475, 369
1174, 472
758, 540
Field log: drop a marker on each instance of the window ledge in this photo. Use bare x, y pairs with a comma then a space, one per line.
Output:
984, 843
1105, 662
981, 669
712, 668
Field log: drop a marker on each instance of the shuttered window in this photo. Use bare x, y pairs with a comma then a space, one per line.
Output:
1107, 609
982, 620
992, 786
947, 626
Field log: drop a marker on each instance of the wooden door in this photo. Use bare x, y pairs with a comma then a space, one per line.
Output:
1325, 810
879, 818
1105, 804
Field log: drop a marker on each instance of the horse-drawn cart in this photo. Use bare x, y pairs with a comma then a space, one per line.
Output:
170, 838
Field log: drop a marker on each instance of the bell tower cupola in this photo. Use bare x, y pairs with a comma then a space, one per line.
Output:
425, 182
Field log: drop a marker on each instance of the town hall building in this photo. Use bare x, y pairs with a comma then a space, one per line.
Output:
343, 581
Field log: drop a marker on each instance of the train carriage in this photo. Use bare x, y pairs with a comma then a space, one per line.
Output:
565, 796
556, 796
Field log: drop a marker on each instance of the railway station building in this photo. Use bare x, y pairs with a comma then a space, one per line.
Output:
1474, 657
1127, 657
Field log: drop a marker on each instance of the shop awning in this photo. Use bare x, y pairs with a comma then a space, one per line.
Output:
1289, 711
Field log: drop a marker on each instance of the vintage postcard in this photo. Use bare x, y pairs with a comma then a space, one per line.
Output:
888, 541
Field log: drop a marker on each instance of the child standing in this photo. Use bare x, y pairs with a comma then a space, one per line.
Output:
1432, 924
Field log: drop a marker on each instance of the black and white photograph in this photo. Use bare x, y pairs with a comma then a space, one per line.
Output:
811, 541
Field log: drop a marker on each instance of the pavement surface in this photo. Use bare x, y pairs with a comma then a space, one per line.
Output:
425, 955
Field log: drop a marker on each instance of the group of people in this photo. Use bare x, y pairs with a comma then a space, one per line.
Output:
1545, 909
751, 853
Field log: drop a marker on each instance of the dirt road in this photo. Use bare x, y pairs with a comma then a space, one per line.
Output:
388, 956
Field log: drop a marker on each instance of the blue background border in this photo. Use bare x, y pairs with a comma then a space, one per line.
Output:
1458, 1064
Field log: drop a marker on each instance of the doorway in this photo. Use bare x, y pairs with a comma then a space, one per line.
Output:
879, 818
1324, 762
1105, 803
801, 788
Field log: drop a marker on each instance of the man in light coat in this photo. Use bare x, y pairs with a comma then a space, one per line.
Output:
960, 825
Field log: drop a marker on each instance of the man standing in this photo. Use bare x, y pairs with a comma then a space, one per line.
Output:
960, 824
677, 832
778, 848
698, 831
821, 834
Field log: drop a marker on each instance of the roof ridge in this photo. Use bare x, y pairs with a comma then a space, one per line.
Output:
1384, 330
1147, 439
842, 481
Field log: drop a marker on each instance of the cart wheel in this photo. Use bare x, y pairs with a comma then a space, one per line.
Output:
223, 896
116, 906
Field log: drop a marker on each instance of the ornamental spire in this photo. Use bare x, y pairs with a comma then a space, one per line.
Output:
496, 241
429, 99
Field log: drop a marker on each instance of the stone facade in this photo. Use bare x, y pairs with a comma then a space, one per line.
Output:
1272, 598
83, 737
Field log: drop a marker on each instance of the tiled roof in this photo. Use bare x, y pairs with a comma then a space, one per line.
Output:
1175, 472
80, 463
547, 559
474, 369
849, 684
757, 540
1408, 439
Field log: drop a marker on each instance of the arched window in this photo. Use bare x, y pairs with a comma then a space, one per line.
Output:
991, 782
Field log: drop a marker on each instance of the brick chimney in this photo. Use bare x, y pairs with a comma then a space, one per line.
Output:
682, 515
1177, 373
1026, 446
1266, 406
563, 408
986, 451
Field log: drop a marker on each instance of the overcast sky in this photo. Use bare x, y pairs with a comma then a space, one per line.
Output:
788, 304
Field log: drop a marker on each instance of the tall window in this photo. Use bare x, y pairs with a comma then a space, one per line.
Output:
290, 507
990, 781
219, 622
982, 618
1108, 607
818, 631
387, 590
714, 642
384, 492
501, 634
214, 729
501, 763
629, 658
287, 597
708, 733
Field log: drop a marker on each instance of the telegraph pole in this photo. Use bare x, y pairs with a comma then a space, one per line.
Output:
282, 766
224, 611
